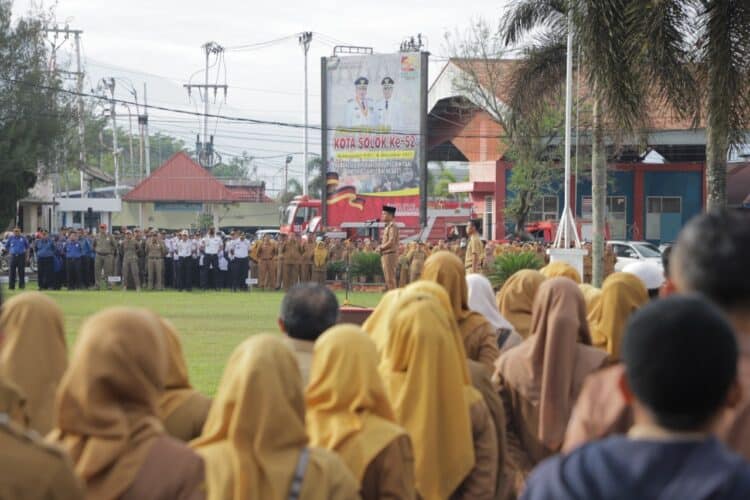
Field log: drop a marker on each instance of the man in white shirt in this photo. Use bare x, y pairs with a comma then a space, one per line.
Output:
211, 245
184, 253
241, 252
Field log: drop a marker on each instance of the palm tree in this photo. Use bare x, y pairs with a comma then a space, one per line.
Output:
716, 33
600, 29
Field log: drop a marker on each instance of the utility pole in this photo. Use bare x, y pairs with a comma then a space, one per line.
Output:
143, 119
304, 40
111, 85
205, 153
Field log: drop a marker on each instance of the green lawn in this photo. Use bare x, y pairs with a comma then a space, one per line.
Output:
211, 324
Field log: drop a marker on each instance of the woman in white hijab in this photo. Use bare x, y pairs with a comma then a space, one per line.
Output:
482, 301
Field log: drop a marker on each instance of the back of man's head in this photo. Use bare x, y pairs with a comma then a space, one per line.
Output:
711, 257
680, 358
308, 310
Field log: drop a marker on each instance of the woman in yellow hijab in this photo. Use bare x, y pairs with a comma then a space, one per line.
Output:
34, 356
107, 412
622, 295
455, 445
516, 299
378, 324
320, 261
254, 442
479, 336
561, 269
348, 412
182, 409
592, 296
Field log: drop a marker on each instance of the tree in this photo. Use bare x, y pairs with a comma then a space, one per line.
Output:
292, 189
601, 30
709, 41
438, 183
31, 118
315, 176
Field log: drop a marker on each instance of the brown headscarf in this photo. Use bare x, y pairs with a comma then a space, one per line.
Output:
255, 430
177, 388
516, 299
107, 401
348, 410
622, 295
34, 355
421, 371
560, 269
446, 269
548, 368
13, 403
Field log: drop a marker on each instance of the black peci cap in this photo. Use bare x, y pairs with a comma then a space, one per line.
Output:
389, 209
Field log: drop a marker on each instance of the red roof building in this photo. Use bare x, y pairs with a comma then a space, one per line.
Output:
181, 179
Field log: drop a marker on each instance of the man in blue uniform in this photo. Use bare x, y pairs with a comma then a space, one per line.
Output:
45, 260
73, 254
18, 248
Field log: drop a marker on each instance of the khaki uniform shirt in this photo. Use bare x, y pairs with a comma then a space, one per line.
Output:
390, 239
131, 249
33, 469
104, 244
156, 249
474, 250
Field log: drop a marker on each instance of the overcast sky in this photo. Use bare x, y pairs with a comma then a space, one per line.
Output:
158, 42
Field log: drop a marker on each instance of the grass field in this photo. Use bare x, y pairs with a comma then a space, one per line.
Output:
211, 324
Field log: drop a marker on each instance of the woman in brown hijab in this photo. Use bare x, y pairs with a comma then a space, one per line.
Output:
479, 336
107, 413
516, 299
254, 441
182, 409
541, 379
348, 412
34, 355
455, 446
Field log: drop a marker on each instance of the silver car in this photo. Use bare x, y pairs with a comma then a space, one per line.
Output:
634, 251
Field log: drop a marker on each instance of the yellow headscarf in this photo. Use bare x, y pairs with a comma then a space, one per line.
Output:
561, 269
377, 325
347, 408
424, 380
446, 269
320, 254
592, 296
255, 431
622, 294
516, 299
107, 401
177, 388
34, 356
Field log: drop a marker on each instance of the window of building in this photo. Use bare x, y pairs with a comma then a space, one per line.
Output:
617, 215
545, 208
663, 217
489, 204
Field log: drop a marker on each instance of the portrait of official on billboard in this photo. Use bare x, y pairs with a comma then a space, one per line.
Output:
373, 115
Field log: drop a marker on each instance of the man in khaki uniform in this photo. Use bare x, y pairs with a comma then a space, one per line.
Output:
279, 260
389, 248
130, 250
105, 247
156, 250
292, 255
266, 253
32, 468
474, 258
416, 258
306, 266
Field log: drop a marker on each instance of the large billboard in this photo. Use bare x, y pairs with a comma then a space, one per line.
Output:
373, 119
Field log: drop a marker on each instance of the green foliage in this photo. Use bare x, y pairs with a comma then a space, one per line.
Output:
438, 182
204, 221
31, 118
336, 268
366, 264
509, 263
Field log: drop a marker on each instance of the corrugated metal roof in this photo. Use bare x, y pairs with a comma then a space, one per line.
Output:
180, 178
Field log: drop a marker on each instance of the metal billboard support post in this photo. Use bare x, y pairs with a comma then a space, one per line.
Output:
324, 142
423, 84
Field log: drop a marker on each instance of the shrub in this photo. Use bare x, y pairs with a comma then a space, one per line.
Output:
336, 269
507, 264
366, 264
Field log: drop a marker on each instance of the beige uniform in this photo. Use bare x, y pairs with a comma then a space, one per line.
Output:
389, 257
416, 264
291, 252
156, 250
104, 264
130, 250
32, 468
474, 255
266, 253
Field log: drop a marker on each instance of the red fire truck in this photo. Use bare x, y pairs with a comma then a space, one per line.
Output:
358, 216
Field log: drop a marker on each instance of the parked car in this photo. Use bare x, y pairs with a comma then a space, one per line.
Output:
634, 251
